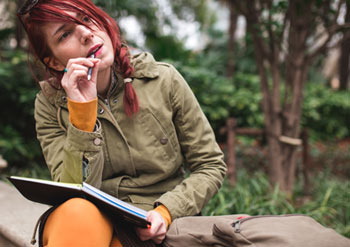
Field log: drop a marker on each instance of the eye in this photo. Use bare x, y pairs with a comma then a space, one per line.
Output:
85, 19
64, 35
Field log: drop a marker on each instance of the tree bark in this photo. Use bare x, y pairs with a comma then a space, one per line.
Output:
231, 39
296, 75
306, 161
231, 152
344, 66
19, 33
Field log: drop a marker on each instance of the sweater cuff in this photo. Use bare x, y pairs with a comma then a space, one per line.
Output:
163, 211
83, 115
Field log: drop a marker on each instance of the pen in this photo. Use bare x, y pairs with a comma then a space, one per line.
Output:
90, 69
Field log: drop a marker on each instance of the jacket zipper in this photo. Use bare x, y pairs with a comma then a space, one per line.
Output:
237, 223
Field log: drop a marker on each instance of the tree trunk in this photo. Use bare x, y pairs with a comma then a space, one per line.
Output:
291, 129
344, 66
306, 161
231, 152
296, 75
19, 33
271, 110
231, 39
282, 117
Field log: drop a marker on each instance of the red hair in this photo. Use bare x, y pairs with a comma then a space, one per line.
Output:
46, 11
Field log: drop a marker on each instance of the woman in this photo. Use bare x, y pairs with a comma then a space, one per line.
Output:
126, 126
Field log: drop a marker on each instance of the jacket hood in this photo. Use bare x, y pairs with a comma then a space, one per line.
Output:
145, 66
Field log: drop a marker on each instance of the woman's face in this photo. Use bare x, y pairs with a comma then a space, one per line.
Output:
71, 40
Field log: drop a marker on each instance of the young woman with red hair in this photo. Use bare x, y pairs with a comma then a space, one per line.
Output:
126, 125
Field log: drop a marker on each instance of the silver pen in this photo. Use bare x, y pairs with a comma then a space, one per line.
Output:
90, 69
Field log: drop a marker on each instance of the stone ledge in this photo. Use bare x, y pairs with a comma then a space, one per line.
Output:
18, 217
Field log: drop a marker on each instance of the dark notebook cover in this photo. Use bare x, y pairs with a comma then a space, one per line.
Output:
55, 193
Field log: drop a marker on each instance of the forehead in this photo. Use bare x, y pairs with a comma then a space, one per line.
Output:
50, 31
50, 28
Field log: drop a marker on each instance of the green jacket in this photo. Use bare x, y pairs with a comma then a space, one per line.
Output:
139, 159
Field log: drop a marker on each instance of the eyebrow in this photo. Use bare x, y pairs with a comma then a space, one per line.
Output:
64, 25
60, 29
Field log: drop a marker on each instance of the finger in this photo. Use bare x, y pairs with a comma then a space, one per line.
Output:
143, 234
82, 61
72, 80
75, 66
95, 69
159, 239
148, 233
155, 229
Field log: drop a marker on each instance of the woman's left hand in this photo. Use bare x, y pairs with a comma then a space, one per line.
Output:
157, 231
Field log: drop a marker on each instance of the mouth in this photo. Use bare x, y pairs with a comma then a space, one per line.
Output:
93, 50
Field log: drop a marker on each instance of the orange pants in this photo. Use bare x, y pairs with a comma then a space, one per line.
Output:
78, 222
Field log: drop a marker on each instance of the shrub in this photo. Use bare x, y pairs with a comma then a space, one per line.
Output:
326, 113
252, 195
18, 143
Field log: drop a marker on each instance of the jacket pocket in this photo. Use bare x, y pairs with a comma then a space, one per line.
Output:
197, 231
164, 138
143, 202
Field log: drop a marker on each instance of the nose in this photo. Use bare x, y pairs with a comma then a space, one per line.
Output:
85, 33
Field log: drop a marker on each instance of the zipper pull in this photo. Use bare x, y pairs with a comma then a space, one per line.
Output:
107, 103
237, 226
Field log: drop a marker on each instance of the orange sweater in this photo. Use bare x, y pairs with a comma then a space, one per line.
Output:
83, 116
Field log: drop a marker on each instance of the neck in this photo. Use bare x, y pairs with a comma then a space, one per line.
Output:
103, 82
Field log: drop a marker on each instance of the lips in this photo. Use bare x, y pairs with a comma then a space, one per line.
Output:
94, 49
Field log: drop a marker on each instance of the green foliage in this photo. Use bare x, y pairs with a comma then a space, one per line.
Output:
194, 10
18, 143
221, 97
152, 19
31, 171
329, 204
326, 112
247, 101
168, 47
213, 92
333, 156
253, 195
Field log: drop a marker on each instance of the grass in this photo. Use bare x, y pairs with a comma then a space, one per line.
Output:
329, 203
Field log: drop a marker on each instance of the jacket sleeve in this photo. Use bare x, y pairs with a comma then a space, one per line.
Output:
71, 155
202, 154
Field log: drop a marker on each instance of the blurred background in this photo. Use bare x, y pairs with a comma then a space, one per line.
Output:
272, 77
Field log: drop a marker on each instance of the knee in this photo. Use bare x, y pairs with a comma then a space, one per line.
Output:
77, 220
78, 209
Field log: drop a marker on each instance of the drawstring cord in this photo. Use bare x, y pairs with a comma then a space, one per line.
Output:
33, 240
40, 225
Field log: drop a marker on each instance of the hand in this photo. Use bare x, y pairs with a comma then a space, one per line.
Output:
156, 232
75, 81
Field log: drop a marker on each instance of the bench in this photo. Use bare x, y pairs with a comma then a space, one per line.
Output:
18, 217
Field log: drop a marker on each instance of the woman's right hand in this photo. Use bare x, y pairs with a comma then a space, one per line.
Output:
157, 230
75, 82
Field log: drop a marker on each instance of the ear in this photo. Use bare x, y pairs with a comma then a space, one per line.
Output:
53, 64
